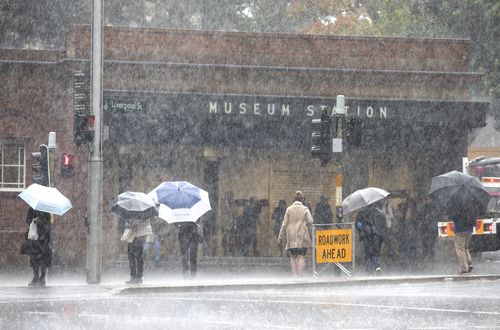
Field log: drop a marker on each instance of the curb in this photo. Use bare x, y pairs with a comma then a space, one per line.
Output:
139, 289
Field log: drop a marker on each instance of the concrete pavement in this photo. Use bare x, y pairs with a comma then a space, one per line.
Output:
234, 274
72, 284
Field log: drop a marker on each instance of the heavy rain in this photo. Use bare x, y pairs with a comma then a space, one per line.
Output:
249, 164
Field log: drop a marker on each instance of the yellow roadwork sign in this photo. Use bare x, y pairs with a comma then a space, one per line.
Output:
334, 245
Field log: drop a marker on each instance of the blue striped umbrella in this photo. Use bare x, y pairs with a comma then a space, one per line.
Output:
180, 201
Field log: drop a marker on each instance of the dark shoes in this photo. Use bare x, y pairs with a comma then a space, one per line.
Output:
135, 280
37, 282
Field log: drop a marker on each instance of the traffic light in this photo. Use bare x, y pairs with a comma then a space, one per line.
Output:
41, 166
83, 128
353, 132
321, 138
67, 166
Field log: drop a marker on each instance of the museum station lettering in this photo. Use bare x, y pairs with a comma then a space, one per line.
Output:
284, 109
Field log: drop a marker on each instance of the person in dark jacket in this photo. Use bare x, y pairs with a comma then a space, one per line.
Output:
189, 237
250, 217
277, 216
323, 214
464, 220
39, 250
372, 227
427, 217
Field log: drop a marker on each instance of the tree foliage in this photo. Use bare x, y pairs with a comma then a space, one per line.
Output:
478, 20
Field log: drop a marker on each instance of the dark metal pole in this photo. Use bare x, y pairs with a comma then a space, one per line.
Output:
94, 236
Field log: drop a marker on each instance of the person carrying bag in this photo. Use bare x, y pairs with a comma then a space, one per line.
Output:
37, 245
135, 235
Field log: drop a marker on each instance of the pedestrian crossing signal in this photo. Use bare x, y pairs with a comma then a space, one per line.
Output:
67, 166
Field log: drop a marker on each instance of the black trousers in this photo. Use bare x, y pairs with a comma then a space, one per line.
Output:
247, 241
39, 270
189, 249
135, 257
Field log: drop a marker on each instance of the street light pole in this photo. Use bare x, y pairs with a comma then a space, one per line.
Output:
94, 232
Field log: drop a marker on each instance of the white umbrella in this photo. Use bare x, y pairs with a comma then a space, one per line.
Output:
134, 205
363, 197
180, 201
46, 199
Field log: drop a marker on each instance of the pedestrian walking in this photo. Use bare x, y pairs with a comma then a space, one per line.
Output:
37, 245
464, 220
189, 237
278, 216
135, 233
250, 217
159, 228
386, 208
372, 227
229, 213
323, 214
295, 229
410, 235
428, 216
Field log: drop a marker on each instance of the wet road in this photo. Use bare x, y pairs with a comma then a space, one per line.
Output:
443, 305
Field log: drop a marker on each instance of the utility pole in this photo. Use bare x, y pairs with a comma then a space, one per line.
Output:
94, 201
338, 121
51, 151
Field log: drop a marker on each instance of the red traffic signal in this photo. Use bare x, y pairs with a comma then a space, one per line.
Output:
67, 165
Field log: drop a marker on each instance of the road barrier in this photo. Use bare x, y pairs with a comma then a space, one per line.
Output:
333, 245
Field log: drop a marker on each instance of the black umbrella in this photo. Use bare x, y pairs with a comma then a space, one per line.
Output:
455, 192
134, 205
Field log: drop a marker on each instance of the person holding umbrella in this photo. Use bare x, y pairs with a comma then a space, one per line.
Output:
370, 223
136, 209
139, 230
183, 203
464, 199
39, 250
464, 220
372, 227
189, 237
295, 229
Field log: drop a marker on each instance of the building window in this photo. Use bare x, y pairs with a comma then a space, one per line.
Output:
12, 167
